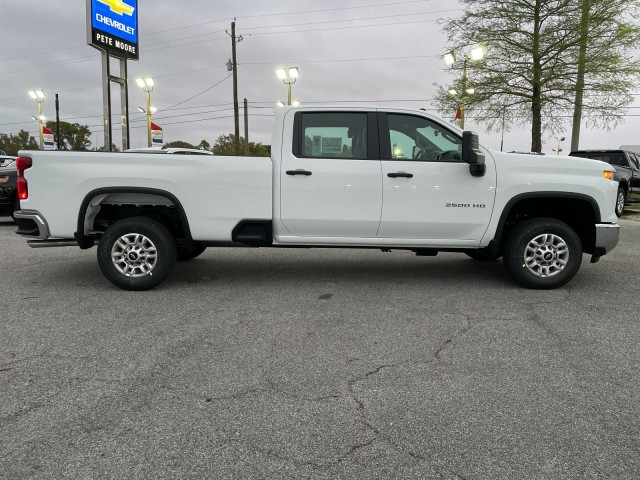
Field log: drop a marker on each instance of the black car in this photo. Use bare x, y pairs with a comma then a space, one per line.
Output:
8, 193
627, 167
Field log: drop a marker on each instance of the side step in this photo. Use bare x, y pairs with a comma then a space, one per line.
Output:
53, 242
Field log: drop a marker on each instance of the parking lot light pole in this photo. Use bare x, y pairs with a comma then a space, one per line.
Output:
147, 85
288, 76
39, 96
476, 54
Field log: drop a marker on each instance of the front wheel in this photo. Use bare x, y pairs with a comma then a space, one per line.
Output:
620, 202
543, 253
136, 253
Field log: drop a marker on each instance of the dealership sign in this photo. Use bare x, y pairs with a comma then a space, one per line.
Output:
112, 26
156, 135
48, 139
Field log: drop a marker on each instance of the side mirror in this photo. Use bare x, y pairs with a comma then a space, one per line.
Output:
472, 154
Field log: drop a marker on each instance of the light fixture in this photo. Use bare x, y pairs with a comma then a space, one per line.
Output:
280, 103
37, 95
449, 59
295, 103
477, 53
293, 72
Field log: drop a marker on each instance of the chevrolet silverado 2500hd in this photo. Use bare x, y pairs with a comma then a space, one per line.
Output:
337, 177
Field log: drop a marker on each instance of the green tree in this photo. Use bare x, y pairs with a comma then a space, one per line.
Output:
225, 145
530, 74
11, 143
74, 136
179, 144
204, 145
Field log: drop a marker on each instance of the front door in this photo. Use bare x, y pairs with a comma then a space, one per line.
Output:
331, 186
428, 191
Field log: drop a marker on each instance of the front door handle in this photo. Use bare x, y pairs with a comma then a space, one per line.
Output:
400, 175
306, 173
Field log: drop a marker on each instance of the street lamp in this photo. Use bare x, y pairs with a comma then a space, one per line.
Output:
288, 76
39, 96
476, 54
147, 85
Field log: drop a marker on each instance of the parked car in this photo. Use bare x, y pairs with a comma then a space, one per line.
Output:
179, 151
8, 193
627, 166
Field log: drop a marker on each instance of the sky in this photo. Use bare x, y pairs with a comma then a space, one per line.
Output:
378, 52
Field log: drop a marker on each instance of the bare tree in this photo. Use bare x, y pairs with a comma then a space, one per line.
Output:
530, 73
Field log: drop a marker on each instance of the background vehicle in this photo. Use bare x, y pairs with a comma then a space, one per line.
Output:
8, 193
357, 177
627, 167
180, 151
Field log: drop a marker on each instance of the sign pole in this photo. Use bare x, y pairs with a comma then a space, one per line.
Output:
106, 102
124, 104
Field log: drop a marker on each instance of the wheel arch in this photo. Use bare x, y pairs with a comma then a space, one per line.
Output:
85, 241
579, 211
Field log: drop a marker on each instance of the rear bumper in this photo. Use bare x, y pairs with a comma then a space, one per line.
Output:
607, 236
31, 224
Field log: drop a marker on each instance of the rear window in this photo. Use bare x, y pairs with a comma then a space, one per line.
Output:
612, 158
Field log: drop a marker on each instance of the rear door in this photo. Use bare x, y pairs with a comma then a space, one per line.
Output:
331, 178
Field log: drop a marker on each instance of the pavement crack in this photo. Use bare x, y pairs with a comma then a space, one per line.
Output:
445, 345
233, 396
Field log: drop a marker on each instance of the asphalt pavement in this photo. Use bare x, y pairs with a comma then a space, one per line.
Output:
319, 364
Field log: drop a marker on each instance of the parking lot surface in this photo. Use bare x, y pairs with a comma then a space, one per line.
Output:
322, 364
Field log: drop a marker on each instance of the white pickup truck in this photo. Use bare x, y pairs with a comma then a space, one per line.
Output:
337, 177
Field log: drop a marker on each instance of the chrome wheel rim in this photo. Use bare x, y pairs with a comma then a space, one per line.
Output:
620, 202
546, 255
134, 255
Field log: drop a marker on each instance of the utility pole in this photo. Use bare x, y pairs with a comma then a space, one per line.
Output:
58, 123
234, 64
246, 128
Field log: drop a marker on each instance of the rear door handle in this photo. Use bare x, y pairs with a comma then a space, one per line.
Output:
400, 175
306, 173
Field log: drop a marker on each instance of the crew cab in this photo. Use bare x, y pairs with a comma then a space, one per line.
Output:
337, 177
627, 167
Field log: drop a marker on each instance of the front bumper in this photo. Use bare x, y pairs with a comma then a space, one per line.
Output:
607, 236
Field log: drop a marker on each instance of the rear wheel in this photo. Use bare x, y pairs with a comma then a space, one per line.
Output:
543, 253
620, 202
136, 253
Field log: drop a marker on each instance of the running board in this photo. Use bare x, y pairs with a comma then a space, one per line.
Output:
54, 242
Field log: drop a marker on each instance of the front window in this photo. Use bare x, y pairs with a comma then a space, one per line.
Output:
417, 138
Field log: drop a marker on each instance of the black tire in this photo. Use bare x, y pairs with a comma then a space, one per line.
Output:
134, 241
482, 255
621, 201
543, 253
191, 252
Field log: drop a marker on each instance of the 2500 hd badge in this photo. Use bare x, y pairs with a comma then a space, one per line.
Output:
465, 205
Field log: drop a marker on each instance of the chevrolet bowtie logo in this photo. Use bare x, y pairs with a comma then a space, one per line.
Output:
118, 6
